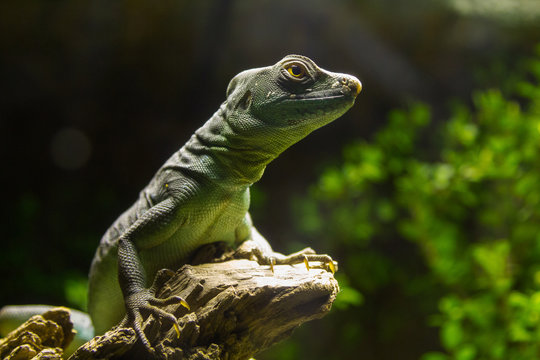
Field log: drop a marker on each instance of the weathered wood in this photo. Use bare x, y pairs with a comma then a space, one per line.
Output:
238, 308
41, 337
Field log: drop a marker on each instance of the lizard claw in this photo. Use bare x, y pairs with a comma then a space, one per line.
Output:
326, 262
169, 301
325, 259
145, 302
306, 261
332, 265
305, 256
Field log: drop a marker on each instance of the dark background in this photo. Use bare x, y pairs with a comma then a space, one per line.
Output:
96, 95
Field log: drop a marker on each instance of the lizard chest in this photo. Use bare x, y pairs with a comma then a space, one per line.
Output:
207, 217
215, 215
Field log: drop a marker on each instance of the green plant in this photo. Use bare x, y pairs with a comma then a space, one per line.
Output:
449, 213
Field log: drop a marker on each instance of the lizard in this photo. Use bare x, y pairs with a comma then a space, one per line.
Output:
201, 194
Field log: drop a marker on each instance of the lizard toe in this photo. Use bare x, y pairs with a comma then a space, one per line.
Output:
144, 302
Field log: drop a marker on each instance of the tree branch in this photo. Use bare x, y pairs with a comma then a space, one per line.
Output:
41, 337
238, 308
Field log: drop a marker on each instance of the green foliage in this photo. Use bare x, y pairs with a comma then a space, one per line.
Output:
464, 194
76, 290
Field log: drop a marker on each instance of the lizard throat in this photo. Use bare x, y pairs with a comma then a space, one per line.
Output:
232, 158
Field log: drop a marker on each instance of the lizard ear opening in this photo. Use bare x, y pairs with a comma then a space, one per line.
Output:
245, 101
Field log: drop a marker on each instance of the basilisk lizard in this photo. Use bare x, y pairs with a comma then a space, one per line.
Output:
201, 194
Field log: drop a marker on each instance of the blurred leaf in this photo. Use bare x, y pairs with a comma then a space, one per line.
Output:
348, 296
76, 290
469, 206
434, 356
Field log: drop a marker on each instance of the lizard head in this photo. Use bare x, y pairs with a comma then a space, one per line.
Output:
291, 99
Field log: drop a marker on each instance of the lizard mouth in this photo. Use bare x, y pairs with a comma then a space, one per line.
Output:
324, 95
323, 105
312, 108
344, 89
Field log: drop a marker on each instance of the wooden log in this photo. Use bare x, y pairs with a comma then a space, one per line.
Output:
237, 309
41, 337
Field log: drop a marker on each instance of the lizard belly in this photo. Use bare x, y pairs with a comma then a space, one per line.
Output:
206, 219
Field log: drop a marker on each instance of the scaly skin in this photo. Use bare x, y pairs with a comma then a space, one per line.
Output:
201, 194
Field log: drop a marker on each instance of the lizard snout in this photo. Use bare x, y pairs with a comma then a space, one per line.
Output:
352, 83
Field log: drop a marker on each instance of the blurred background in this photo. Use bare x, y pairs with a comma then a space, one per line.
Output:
427, 191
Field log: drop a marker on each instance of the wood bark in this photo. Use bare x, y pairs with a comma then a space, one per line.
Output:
237, 309
41, 337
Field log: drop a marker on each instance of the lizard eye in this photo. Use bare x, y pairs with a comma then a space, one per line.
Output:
296, 70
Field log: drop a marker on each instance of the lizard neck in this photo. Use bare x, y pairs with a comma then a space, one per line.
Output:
227, 156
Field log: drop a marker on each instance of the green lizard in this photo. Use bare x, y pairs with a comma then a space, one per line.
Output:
201, 194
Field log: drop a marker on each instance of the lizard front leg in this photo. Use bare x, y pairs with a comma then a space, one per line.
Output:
253, 244
155, 226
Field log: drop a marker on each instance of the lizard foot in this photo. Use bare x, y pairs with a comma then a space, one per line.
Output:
305, 256
145, 303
